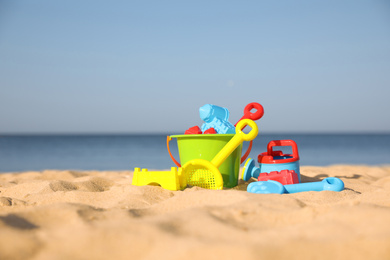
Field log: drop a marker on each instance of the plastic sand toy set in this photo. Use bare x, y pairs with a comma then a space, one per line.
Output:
210, 157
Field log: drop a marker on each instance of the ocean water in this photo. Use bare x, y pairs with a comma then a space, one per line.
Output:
125, 152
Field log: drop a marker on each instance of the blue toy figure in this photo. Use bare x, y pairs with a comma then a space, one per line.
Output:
216, 117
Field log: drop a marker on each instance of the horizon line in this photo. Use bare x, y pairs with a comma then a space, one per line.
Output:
177, 133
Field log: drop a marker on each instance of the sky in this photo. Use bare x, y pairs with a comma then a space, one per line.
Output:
148, 66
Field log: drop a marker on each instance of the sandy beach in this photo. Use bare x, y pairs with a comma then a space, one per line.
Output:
100, 215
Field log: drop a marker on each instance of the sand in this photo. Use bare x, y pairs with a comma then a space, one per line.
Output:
100, 215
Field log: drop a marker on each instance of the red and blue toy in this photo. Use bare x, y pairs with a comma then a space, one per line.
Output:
273, 163
216, 117
276, 160
279, 173
284, 176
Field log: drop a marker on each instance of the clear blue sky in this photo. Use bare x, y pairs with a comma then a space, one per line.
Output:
147, 66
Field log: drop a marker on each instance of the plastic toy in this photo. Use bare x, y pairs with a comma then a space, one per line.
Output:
205, 147
210, 131
250, 170
205, 174
276, 161
196, 146
252, 115
284, 176
217, 118
264, 187
170, 180
195, 130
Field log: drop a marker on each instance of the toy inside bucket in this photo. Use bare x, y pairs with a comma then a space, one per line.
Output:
201, 146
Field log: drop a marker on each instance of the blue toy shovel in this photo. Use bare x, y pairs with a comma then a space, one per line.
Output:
264, 187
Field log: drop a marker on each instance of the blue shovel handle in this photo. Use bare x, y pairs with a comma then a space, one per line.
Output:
263, 187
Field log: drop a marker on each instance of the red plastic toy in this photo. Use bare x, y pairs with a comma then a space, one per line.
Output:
277, 157
195, 130
255, 115
210, 131
284, 176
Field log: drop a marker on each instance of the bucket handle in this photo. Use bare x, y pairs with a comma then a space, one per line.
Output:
283, 143
243, 158
170, 154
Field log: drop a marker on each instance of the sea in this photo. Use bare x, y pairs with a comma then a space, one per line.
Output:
126, 151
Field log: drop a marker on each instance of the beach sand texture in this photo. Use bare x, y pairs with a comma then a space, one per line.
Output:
100, 215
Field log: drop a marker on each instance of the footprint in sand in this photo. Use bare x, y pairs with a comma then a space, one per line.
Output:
95, 184
63, 186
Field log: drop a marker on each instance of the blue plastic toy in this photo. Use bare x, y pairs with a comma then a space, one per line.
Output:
216, 117
264, 187
250, 170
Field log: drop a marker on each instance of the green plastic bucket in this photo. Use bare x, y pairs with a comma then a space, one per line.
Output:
206, 146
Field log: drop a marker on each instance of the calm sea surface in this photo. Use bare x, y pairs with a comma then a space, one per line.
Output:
124, 152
